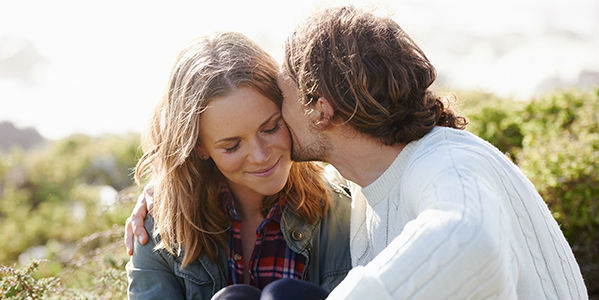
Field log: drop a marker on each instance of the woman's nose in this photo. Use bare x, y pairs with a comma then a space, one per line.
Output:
260, 151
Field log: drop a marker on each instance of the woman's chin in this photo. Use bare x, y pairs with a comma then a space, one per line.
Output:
269, 191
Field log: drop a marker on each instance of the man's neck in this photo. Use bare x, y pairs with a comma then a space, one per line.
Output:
359, 158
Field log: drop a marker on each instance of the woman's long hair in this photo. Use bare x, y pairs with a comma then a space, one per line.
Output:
187, 210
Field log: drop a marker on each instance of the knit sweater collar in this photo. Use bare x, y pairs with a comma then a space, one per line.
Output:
381, 187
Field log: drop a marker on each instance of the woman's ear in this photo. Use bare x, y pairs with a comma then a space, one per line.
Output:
202, 153
323, 112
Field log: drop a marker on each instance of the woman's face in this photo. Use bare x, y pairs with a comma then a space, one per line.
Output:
244, 134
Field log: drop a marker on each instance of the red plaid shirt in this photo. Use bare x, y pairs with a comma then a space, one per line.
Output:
271, 258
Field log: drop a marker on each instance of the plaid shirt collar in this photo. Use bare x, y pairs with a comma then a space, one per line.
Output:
272, 258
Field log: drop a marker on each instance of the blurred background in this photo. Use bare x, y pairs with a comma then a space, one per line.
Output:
100, 66
79, 79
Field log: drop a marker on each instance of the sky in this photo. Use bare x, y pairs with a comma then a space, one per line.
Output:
96, 67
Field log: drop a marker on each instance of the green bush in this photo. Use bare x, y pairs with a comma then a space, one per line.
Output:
19, 283
54, 194
63, 199
96, 272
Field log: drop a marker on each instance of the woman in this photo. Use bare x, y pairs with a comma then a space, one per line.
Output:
230, 207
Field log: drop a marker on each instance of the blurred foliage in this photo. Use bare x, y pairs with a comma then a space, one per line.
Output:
20, 284
97, 272
555, 141
61, 202
97, 269
64, 192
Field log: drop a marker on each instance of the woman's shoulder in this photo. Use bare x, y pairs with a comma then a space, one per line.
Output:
339, 189
340, 197
148, 249
335, 179
152, 250
338, 184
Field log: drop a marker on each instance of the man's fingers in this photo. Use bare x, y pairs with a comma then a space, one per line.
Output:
129, 237
141, 234
149, 197
137, 224
137, 219
149, 206
140, 210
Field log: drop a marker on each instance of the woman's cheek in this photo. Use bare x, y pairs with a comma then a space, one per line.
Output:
283, 138
228, 162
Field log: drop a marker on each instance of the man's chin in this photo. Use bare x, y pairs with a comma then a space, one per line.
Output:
300, 156
309, 151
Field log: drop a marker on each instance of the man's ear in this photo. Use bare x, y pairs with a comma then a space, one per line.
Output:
323, 113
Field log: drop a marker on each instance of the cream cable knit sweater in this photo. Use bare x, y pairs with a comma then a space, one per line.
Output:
453, 218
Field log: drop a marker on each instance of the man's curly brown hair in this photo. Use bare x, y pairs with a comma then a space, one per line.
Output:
372, 72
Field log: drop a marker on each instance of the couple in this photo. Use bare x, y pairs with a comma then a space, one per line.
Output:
436, 212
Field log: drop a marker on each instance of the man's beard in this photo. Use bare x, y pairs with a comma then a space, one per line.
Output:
316, 150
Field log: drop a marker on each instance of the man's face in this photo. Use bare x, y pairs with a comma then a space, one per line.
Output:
308, 142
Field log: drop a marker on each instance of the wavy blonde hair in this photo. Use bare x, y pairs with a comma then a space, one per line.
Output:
187, 210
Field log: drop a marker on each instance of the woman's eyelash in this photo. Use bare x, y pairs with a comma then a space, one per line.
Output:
275, 128
267, 131
231, 149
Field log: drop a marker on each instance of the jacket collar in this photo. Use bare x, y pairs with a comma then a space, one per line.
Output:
297, 233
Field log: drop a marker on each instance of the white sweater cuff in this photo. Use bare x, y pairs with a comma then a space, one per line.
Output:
360, 285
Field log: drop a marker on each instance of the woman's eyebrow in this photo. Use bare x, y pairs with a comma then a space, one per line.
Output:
269, 118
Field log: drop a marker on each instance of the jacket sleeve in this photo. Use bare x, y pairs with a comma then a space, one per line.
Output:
150, 274
452, 249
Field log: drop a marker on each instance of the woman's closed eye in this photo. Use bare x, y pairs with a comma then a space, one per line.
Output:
274, 128
232, 148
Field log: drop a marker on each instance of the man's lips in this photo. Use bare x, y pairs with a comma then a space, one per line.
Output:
266, 171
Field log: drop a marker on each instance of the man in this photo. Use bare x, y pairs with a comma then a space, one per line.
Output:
437, 213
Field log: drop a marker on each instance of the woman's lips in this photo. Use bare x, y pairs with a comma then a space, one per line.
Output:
267, 171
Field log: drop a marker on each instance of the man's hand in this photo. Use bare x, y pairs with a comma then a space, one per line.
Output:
135, 223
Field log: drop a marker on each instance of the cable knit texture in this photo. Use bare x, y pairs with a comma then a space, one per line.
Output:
453, 218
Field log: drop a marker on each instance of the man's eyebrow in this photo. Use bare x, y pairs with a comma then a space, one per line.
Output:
233, 138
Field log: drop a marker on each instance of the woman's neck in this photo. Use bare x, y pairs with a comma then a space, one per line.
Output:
248, 202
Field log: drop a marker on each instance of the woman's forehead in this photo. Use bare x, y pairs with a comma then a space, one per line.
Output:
243, 111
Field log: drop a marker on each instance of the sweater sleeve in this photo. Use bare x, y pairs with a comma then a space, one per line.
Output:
452, 249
